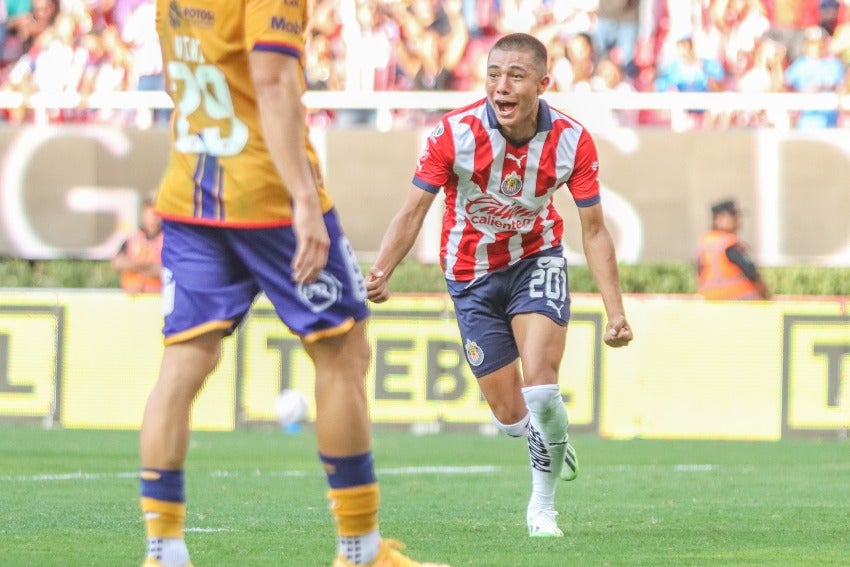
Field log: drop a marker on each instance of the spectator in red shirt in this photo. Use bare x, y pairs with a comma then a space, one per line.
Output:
789, 20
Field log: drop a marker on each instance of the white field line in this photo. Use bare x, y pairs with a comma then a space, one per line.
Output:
66, 476
695, 468
484, 469
689, 467
409, 471
445, 470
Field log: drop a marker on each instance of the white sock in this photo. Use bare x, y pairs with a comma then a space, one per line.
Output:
170, 551
518, 429
361, 549
547, 438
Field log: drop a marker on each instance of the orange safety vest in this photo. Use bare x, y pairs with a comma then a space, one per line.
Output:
140, 247
719, 278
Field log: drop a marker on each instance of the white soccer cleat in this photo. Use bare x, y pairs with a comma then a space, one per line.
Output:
543, 523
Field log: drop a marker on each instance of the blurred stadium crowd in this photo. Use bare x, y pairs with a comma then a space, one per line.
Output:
749, 46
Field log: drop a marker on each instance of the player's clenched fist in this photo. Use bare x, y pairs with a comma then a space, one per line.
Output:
377, 289
617, 332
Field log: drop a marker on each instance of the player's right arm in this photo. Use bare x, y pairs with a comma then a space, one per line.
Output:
277, 82
397, 242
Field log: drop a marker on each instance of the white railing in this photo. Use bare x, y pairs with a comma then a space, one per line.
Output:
438, 100
725, 101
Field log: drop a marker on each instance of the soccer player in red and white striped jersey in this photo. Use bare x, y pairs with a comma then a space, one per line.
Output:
499, 162
499, 189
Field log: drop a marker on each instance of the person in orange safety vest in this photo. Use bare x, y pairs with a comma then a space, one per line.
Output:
139, 259
724, 268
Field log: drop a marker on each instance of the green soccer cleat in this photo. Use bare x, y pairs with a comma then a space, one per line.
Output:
570, 469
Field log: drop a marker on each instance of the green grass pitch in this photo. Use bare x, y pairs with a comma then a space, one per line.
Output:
257, 498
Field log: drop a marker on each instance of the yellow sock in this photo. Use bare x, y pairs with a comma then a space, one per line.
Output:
163, 519
163, 502
355, 509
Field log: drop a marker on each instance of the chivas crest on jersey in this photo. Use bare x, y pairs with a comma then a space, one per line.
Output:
512, 185
474, 353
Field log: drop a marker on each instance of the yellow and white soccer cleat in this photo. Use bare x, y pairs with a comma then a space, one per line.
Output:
390, 555
151, 561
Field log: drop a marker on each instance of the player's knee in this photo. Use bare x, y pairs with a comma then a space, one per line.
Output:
508, 413
539, 373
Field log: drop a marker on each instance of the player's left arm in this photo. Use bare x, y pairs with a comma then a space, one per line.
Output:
597, 242
602, 261
278, 84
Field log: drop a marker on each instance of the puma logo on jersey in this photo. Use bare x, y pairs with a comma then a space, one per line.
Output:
516, 159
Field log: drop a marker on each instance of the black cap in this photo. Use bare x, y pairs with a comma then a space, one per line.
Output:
727, 206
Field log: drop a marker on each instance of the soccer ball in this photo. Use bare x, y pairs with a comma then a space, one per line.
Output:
290, 407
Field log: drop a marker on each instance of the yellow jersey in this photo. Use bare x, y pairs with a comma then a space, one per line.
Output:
220, 172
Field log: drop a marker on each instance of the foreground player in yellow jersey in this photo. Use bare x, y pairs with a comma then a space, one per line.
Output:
245, 211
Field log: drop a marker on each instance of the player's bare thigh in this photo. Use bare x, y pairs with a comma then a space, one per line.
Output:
541, 342
345, 354
342, 418
188, 362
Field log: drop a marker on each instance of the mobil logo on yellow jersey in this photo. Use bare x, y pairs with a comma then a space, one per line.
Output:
280, 23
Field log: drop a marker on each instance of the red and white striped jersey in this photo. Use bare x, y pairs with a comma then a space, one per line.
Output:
499, 197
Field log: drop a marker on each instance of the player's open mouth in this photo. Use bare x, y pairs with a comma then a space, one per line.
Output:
505, 108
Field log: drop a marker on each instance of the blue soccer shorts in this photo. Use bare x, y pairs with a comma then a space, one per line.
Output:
484, 309
212, 275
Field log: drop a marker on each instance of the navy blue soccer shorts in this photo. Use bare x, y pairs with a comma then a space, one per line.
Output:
212, 275
484, 309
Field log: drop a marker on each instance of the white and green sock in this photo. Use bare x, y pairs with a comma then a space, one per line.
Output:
547, 440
